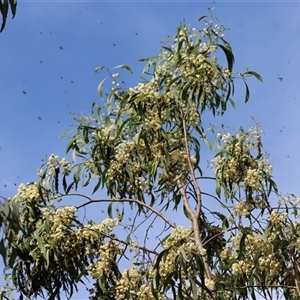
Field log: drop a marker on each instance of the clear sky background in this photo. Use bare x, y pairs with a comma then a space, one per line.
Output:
48, 54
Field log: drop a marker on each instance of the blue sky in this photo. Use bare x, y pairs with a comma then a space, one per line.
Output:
48, 54
264, 37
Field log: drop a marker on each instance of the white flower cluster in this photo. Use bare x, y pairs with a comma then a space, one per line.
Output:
60, 220
54, 164
277, 218
210, 284
105, 265
130, 280
238, 163
27, 193
115, 83
242, 209
268, 261
91, 232
178, 234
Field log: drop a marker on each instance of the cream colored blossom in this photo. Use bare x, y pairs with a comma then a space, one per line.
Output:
242, 209
210, 284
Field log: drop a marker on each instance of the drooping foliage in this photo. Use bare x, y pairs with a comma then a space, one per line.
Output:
166, 236
4, 8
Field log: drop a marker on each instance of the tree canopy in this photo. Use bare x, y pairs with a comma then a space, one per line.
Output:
146, 147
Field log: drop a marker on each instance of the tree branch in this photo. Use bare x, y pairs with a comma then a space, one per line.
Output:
130, 201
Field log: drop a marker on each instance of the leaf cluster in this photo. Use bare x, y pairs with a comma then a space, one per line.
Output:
4, 7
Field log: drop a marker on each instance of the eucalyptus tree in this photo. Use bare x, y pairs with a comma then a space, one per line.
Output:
144, 147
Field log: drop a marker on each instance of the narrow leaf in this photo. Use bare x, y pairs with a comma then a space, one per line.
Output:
109, 210
247, 96
201, 18
229, 55
255, 74
97, 186
99, 68
100, 88
13, 7
123, 67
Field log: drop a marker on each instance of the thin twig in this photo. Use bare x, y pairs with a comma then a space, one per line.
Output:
130, 201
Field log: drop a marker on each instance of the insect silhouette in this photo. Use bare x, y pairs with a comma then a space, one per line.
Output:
61, 48
280, 78
24, 92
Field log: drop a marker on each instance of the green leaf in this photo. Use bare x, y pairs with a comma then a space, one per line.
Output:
109, 210
4, 10
183, 254
154, 167
225, 224
100, 88
173, 80
70, 187
77, 174
4, 209
247, 96
64, 183
97, 186
179, 291
130, 174
194, 288
47, 225
168, 49
201, 18
154, 289
123, 67
254, 74
160, 256
13, 7
99, 68
272, 185
3, 251
39, 239
168, 282
40, 189
46, 256
12, 258
136, 137
14, 276
242, 245
71, 145
177, 201
15, 213
231, 102
229, 55
102, 286
186, 213
122, 127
